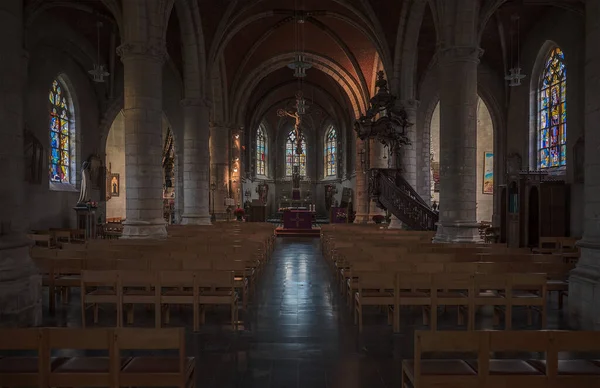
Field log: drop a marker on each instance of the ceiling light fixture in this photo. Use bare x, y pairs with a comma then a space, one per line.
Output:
98, 72
514, 74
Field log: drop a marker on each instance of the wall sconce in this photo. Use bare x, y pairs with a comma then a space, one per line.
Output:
236, 136
235, 169
235, 160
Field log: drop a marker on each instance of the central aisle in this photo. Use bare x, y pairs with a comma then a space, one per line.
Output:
299, 333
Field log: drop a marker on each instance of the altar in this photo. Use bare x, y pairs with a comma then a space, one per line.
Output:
297, 219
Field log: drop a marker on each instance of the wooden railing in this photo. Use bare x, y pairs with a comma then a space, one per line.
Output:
395, 194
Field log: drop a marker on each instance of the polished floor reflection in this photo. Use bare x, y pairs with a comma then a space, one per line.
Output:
296, 333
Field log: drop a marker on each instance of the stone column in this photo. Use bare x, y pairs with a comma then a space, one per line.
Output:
20, 284
361, 207
584, 281
376, 153
458, 144
195, 162
142, 64
408, 152
219, 168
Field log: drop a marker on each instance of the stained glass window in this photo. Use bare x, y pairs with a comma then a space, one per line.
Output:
60, 134
330, 152
261, 151
552, 111
292, 158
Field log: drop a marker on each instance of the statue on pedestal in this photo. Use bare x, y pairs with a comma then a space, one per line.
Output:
84, 189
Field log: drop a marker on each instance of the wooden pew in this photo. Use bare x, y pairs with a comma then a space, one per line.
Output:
483, 371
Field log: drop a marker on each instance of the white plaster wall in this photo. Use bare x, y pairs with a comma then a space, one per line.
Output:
115, 157
485, 142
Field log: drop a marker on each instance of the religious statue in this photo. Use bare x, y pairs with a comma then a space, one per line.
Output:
263, 193
84, 190
296, 178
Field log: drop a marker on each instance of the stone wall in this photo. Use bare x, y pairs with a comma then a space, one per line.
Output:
54, 207
566, 30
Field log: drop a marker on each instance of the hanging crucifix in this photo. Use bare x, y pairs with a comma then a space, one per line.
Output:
297, 116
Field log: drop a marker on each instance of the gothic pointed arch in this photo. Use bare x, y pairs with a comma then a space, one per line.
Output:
550, 135
291, 156
62, 134
330, 152
261, 150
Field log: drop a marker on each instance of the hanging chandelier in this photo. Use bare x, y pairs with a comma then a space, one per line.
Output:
299, 66
514, 75
98, 72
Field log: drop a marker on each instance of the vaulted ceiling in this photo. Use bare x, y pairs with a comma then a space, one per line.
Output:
248, 43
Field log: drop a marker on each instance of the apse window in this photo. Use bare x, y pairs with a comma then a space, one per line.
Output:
552, 121
261, 151
292, 158
61, 135
330, 152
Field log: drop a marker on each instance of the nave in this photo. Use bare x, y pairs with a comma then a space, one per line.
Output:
298, 331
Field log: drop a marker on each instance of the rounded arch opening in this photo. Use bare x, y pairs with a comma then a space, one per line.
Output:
116, 179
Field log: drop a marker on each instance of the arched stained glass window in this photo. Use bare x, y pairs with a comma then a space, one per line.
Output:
261, 151
552, 121
60, 134
331, 152
292, 158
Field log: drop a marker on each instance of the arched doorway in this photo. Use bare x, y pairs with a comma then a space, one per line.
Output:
533, 218
485, 160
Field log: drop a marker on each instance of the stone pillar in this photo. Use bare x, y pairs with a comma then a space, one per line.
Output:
142, 64
195, 162
408, 153
376, 153
458, 144
361, 207
219, 168
584, 280
20, 283
236, 166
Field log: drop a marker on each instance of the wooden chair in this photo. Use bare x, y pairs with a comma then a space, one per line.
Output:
491, 290
176, 288
377, 289
81, 371
154, 371
449, 373
106, 291
22, 371
217, 288
137, 287
453, 289
417, 289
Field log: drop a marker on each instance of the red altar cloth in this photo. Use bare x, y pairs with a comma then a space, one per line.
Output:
297, 219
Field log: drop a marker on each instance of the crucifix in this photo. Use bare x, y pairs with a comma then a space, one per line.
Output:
297, 116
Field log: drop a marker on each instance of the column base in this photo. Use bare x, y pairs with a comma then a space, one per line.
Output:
144, 229
395, 223
457, 233
361, 219
20, 284
584, 290
196, 219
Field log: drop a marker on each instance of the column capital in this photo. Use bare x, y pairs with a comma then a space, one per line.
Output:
459, 54
199, 102
154, 51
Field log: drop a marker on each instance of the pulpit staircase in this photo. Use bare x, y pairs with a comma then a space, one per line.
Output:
392, 192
